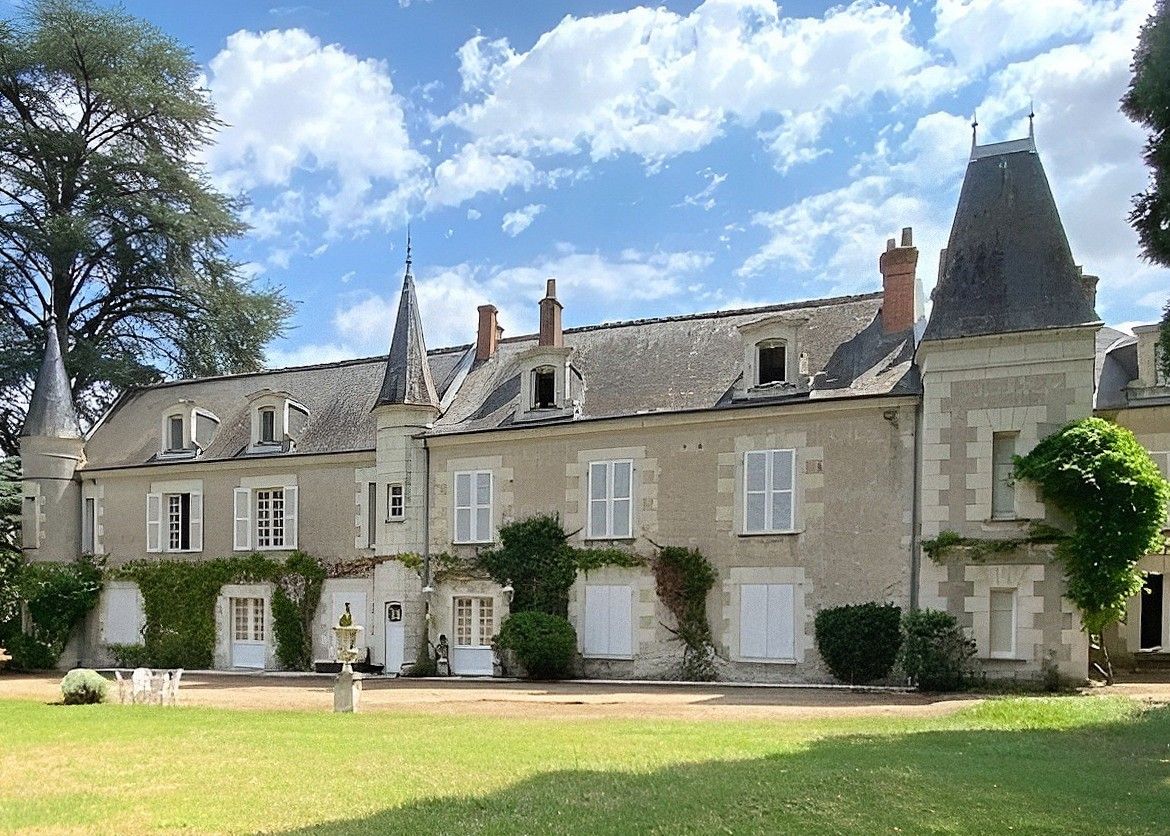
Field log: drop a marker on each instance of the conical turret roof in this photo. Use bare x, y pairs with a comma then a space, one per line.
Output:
51, 413
1008, 266
408, 373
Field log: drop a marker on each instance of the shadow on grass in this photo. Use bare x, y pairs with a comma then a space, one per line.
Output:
1111, 778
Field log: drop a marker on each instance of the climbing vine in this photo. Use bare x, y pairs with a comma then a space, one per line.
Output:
979, 548
179, 599
57, 597
683, 577
1100, 476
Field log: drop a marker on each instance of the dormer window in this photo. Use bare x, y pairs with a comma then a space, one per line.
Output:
268, 425
771, 361
544, 388
176, 437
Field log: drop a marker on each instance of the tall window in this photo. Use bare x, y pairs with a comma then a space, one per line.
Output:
1003, 489
270, 518
175, 433
772, 361
248, 619
89, 526
610, 499
473, 506
475, 621
395, 502
769, 479
268, 425
1002, 625
174, 522
178, 521
372, 514
544, 388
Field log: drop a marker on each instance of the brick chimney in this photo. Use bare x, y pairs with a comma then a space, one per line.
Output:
487, 339
901, 302
550, 317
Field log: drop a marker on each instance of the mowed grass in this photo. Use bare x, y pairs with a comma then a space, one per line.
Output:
1059, 765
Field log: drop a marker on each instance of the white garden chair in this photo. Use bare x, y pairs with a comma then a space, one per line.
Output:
170, 690
140, 690
123, 687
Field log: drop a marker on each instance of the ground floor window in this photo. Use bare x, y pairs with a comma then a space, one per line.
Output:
608, 623
1001, 638
767, 621
474, 621
248, 619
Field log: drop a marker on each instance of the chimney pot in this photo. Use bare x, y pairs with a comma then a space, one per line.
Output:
550, 317
901, 296
907, 236
487, 338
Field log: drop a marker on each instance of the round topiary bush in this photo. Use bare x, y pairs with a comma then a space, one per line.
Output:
546, 645
82, 686
936, 654
859, 642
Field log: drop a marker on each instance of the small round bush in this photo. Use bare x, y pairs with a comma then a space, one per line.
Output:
936, 654
82, 686
546, 645
859, 642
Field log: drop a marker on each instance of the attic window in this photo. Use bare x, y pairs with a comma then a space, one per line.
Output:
544, 386
268, 425
175, 434
772, 362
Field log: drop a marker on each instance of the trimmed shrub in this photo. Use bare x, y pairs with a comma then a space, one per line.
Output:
82, 686
546, 645
859, 642
129, 655
936, 654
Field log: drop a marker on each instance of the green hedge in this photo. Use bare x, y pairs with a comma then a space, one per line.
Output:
859, 642
936, 654
546, 645
58, 596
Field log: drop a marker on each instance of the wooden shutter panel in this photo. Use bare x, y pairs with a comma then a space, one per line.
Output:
290, 517
596, 627
154, 522
781, 622
243, 516
195, 524
621, 634
753, 620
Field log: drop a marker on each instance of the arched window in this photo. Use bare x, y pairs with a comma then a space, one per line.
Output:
771, 362
544, 388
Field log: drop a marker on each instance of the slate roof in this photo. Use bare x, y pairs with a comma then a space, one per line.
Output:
654, 365
50, 412
408, 374
1008, 264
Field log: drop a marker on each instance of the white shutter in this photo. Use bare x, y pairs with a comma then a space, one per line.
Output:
123, 619
783, 483
195, 524
154, 522
621, 634
290, 517
755, 491
596, 628
781, 621
462, 507
753, 620
622, 495
243, 517
483, 506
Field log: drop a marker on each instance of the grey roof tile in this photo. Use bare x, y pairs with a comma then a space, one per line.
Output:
50, 412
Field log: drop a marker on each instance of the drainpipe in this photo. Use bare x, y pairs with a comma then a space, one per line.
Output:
916, 509
426, 642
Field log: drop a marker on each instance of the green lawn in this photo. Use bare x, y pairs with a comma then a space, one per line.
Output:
1057, 765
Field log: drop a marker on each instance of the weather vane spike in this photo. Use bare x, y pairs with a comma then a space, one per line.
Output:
1031, 117
974, 125
408, 246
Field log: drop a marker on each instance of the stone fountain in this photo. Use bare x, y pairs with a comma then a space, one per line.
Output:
347, 688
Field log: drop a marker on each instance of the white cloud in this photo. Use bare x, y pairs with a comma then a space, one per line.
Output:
705, 197
307, 355
472, 171
292, 104
655, 83
474, 214
516, 222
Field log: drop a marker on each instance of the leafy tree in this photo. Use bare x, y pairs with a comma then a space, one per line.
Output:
108, 224
1096, 472
1147, 102
11, 559
533, 554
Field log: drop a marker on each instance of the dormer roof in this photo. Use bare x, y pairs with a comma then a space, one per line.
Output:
1008, 266
408, 377
51, 413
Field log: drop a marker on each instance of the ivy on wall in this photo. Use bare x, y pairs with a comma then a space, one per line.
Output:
980, 548
57, 597
683, 577
179, 605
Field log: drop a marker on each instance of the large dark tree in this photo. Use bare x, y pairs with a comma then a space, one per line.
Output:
109, 225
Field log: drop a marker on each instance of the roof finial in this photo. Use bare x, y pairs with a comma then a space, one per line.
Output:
1031, 117
974, 125
408, 247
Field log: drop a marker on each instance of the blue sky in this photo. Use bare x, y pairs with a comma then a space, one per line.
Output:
655, 160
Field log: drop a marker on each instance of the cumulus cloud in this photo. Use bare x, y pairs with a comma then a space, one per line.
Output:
516, 222
472, 171
293, 104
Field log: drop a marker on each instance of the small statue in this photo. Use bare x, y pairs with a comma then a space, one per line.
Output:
346, 619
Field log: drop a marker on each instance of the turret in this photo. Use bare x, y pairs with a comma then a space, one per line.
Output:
51, 450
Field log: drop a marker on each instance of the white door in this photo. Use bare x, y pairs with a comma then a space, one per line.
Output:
249, 633
471, 651
358, 608
395, 637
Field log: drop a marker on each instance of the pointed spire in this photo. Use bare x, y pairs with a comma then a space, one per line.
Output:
408, 373
51, 413
1031, 119
974, 127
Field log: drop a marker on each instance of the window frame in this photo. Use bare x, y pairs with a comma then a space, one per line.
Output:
371, 515
764, 345
255, 507
1013, 651
477, 626
254, 616
395, 491
548, 373
173, 420
262, 413
475, 536
768, 492
89, 525
794, 635
606, 591
1005, 489
610, 500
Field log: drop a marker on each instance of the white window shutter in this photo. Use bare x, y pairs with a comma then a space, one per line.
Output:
243, 517
781, 622
621, 633
290, 517
755, 481
623, 489
154, 522
195, 524
596, 628
753, 619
